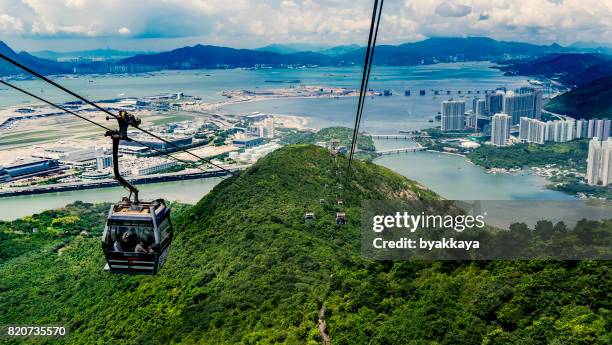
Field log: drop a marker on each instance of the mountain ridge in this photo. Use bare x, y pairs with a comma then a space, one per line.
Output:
40, 65
568, 68
426, 51
432, 50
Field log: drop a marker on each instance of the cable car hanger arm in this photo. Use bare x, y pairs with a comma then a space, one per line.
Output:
124, 120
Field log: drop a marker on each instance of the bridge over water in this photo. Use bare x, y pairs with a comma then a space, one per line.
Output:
418, 147
398, 136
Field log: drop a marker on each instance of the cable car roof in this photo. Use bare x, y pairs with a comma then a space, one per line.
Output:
141, 211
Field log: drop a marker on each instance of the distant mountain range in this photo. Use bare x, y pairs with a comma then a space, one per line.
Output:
428, 51
41, 65
207, 56
569, 68
297, 48
593, 47
452, 49
107, 54
552, 58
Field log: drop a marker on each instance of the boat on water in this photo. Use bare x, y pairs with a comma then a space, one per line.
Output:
280, 81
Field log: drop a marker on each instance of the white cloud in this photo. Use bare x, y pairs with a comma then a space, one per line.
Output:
245, 23
76, 3
451, 9
10, 24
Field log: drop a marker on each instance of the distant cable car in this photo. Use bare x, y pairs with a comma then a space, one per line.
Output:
340, 218
309, 217
138, 234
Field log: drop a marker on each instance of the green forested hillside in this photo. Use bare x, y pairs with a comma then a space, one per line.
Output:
569, 155
365, 145
344, 134
246, 269
590, 101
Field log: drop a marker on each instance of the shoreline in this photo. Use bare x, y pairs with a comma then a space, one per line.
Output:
549, 185
450, 153
110, 183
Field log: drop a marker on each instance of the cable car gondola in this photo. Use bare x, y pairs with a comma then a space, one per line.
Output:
146, 222
138, 234
309, 217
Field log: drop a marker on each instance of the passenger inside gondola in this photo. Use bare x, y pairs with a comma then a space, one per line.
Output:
134, 239
131, 241
142, 247
125, 240
117, 246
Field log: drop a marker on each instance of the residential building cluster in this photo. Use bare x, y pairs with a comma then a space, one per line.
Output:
523, 102
539, 132
500, 129
453, 115
599, 166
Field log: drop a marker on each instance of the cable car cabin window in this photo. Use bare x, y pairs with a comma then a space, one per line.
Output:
165, 230
132, 237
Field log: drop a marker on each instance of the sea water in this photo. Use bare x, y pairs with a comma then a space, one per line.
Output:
450, 176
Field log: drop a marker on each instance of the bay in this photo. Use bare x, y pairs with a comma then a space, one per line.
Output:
450, 176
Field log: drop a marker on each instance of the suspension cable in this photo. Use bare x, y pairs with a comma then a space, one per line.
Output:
47, 80
367, 66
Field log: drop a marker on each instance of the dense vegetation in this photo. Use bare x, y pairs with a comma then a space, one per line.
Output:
592, 100
365, 145
563, 155
574, 185
569, 157
50, 229
246, 269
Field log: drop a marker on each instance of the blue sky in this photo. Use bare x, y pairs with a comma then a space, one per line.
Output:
153, 25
